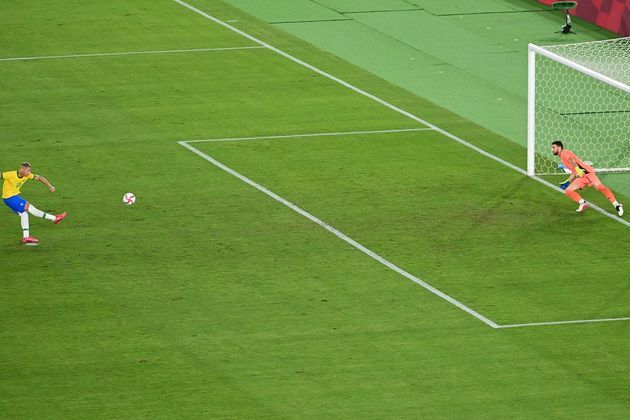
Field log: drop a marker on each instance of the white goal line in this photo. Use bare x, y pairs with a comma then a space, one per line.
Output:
489, 322
290, 136
611, 170
114, 54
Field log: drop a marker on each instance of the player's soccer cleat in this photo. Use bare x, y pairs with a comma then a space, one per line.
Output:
582, 207
29, 240
59, 217
619, 208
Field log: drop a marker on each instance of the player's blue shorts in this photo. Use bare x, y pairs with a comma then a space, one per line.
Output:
15, 203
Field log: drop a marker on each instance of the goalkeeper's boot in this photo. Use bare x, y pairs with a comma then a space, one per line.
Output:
29, 240
582, 208
619, 208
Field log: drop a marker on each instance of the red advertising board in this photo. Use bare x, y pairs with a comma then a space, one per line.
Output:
613, 15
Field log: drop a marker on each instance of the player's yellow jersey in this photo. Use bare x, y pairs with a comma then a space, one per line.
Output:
13, 183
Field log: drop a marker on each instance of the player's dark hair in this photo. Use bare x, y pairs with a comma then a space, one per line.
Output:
557, 143
28, 165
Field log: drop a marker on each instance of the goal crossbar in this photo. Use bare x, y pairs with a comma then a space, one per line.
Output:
579, 67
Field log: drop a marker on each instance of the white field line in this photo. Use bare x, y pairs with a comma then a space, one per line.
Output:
290, 136
375, 256
403, 112
384, 103
342, 236
113, 54
577, 321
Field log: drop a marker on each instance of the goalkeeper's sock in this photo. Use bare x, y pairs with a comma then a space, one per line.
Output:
609, 195
574, 196
38, 213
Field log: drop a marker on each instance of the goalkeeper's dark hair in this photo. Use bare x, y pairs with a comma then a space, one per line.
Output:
26, 164
557, 143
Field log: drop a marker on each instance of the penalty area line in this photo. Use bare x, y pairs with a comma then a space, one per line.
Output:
289, 136
342, 236
382, 260
577, 321
380, 101
114, 54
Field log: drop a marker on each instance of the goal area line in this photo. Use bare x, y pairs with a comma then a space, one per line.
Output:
487, 321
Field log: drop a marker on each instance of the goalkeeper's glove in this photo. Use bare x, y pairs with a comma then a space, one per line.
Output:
579, 172
564, 185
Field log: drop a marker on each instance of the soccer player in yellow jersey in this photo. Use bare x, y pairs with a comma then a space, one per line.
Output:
13, 181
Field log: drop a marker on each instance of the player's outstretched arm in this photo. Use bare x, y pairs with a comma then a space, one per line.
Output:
45, 182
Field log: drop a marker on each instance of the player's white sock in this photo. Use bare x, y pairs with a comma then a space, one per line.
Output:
615, 204
38, 213
582, 201
24, 222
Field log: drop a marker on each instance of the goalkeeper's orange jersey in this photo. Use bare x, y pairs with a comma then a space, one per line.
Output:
566, 156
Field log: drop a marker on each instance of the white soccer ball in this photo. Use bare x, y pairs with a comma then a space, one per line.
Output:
129, 199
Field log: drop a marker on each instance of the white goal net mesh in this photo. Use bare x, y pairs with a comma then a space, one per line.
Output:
584, 104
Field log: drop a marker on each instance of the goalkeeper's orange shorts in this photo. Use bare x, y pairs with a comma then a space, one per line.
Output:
588, 180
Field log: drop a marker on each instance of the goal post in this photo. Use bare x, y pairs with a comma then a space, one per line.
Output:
579, 94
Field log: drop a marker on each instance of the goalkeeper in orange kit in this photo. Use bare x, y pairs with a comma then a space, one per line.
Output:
582, 175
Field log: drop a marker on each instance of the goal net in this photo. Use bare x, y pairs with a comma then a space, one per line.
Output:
579, 94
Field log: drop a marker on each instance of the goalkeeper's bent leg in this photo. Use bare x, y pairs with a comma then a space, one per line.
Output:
574, 196
609, 194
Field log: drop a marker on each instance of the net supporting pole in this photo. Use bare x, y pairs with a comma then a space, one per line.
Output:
531, 110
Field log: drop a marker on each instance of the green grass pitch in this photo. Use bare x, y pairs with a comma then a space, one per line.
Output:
210, 299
